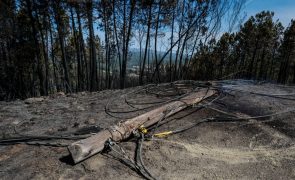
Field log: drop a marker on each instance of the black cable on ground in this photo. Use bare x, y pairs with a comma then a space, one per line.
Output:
43, 139
38, 139
228, 119
197, 108
139, 156
106, 108
109, 112
279, 96
128, 161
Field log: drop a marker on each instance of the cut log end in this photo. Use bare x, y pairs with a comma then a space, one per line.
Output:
86, 148
76, 152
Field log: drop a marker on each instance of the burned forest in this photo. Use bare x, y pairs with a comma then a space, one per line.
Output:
147, 89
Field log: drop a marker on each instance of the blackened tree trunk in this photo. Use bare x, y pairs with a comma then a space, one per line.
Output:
78, 53
251, 66
92, 49
45, 54
53, 57
156, 39
37, 48
146, 45
84, 64
60, 30
128, 36
116, 36
171, 43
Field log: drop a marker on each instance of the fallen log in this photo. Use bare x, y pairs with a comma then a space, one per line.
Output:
86, 148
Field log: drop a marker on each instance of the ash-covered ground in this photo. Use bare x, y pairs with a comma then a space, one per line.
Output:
227, 148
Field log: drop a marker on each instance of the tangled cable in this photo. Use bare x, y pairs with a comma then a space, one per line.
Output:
138, 164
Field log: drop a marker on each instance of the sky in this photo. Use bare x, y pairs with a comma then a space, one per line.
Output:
284, 9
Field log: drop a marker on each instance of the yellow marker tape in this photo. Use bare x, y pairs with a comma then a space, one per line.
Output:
142, 129
163, 134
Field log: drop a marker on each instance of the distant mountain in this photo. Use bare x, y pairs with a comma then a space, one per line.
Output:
135, 57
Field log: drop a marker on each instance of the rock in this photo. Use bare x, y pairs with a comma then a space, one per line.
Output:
76, 124
90, 121
92, 103
16, 122
50, 131
72, 95
95, 163
87, 130
34, 100
33, 119
60, 93
80, 108
63, 128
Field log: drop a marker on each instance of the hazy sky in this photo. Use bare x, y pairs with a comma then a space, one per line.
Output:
284, 9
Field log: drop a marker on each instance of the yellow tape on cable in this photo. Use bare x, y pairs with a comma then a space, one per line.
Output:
163, 134
143, 130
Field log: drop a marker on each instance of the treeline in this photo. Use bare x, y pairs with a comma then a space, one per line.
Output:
51, 46
262, 49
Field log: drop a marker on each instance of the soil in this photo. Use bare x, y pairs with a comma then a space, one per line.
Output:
254, 149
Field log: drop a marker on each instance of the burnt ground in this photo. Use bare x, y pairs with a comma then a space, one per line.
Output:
253, 149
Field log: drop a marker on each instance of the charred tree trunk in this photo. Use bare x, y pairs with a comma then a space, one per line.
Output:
45, 54
146, 45
78, 52
37, 48
156, 39
171, 44
116, 36
84, 64
53, 57
60, 29
92, 49
263, 66
251, 66
124, 63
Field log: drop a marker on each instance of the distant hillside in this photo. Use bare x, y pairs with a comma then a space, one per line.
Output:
135, 57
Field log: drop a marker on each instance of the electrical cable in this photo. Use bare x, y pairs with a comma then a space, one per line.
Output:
264, 94
197, 108
128, 161
230, 118
139, 158
109, 112
36, 139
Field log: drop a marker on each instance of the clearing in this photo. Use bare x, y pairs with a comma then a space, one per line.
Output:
228, 145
